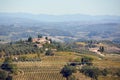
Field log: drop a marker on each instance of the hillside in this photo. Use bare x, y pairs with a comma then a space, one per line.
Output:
27, 61
61, 31
16, 26
59, 39
50, 66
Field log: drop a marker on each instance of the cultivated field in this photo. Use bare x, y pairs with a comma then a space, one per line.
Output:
49, 67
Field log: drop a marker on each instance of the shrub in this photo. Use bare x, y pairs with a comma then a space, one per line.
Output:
3, 75
22, 58
68, 70
91, 71
87, 60
49, 53
118, 73
72, 77
9, 66
104, 72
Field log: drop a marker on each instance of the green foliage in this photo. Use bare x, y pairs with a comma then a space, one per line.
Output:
46, 38
3, 75
9, 66
104, 72
22, 58
30, 39
49, 46
49, 53
118, 72
68, 70
20, 48
23, 47
25, 58
91, 43
77, 60
50, 40
10, 77
72, 77
64, 47
91, 71
111, 71
101, 49
86, 60
40, 36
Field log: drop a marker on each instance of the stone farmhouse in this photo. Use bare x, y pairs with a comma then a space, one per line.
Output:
40, 41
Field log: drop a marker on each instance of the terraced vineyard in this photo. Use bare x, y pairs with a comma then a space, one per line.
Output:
47, 69
40, 73
50, 66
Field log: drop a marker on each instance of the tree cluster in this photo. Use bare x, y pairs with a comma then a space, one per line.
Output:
86, 60
91, 71
68, 70
19, 48
7, 68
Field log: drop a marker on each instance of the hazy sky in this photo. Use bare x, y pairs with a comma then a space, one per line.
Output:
58, 7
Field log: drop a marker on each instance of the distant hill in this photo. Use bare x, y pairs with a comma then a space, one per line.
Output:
15, 26
25, 17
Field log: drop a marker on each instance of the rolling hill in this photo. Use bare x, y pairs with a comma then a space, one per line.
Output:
15, 26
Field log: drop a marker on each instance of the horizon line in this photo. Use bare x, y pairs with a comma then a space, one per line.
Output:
50, 14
